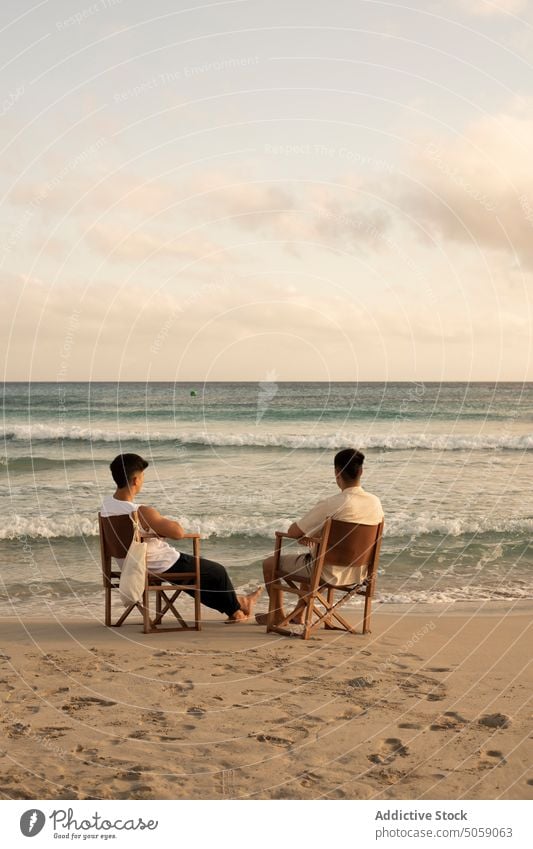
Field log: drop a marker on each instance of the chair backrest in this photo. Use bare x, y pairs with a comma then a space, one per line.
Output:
351, 544
116, 534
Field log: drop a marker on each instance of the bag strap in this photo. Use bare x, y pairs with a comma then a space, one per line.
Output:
137, 528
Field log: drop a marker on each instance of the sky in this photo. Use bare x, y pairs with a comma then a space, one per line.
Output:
235, 190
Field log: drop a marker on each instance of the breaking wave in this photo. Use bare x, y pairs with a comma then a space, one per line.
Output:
398, 526
392, 442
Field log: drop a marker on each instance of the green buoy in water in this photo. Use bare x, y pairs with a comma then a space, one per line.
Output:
193, 393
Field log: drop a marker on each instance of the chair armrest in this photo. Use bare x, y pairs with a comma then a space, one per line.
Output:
282, 534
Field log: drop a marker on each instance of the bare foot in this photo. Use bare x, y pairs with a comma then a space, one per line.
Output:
297, 617
238, 616
262, 618
247, 603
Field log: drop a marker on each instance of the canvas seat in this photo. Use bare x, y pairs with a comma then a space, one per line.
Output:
116, 534
343, 544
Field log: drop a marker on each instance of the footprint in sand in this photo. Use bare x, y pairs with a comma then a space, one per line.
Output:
491, 758
132, 774
179, 688
79, 702
18, 729
389, 750
495, 720
54, 730
309, 779
271, 738
415, 726
197, 712
449, 721
422, 685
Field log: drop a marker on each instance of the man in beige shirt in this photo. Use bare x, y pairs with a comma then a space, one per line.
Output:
351, 504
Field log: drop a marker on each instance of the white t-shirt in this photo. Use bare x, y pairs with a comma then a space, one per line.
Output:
352, 504
160, 556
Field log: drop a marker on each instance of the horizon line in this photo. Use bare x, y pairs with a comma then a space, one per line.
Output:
326, 382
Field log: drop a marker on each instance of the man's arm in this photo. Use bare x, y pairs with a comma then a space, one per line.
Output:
155, 522
311, 524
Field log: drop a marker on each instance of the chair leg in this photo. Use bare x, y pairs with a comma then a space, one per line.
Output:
146, 612
197, 611
366, 614
197, 597
308, 616
327, 622
107, 614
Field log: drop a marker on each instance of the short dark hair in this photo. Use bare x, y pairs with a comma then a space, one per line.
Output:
349, 463
124, 467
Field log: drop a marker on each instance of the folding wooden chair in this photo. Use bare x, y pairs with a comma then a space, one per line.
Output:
116, 534
343, 544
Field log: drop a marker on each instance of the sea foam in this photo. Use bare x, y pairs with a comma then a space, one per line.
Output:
399, 526
249, 439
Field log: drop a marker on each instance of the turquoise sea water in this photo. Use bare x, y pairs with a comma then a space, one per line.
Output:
452, 464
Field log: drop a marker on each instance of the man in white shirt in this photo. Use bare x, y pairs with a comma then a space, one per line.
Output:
216, 588
351, 504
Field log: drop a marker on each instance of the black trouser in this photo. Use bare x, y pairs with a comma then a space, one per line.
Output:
216, 588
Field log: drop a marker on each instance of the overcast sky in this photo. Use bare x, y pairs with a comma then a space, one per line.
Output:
319, 189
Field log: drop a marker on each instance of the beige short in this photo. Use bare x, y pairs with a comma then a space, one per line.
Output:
297, 565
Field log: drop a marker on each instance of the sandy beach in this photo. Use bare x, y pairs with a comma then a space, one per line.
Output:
431, 705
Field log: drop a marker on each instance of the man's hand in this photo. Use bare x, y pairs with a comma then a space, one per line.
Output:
295, 532
306, 541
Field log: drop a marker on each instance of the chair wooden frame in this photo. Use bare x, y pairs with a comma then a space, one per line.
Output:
115, 543
345, 544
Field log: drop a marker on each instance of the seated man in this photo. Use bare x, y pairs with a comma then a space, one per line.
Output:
352, 504
216, 588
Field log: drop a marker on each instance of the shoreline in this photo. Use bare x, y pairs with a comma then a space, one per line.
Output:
488, 608
424, 707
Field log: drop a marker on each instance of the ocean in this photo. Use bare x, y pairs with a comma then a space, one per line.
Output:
451, 462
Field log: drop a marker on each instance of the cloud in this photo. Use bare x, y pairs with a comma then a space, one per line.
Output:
313, 213
477, 188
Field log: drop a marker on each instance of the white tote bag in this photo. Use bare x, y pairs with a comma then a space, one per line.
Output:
133, 572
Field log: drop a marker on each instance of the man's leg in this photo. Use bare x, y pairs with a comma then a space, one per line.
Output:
217, 591
275, 595
296, 565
